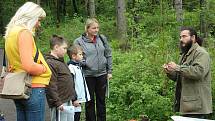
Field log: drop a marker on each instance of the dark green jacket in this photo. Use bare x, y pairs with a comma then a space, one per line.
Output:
193, 77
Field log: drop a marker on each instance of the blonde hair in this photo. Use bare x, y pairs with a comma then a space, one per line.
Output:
27, 15
89, 22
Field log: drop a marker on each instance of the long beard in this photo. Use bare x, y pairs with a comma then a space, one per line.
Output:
186, 48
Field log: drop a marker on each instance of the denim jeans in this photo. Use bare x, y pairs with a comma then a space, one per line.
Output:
32, 109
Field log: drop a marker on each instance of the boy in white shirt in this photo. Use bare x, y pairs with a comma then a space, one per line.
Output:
75, 54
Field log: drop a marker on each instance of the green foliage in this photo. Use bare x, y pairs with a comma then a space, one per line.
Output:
70, 30
106, 6
136, 89
1, 42
7, 10
139, 85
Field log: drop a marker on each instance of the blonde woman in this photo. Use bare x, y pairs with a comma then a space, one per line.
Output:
97, 68
20, 50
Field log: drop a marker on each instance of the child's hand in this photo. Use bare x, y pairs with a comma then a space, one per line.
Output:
76, 103
109, 76
60, 108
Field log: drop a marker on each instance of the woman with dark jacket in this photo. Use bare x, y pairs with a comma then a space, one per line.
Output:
97, 68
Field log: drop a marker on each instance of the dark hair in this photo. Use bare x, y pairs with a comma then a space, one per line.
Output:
199, 40
73, 50
56, 40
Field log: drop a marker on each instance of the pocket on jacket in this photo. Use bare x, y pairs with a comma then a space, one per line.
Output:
191, 104
91, 64
103, 64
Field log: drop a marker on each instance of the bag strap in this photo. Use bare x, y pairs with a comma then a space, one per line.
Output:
35, 58
4, 59
4, 64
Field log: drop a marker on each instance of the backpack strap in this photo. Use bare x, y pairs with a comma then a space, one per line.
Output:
102, 39
105, 44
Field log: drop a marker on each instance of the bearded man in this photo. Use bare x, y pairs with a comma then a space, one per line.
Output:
193, 96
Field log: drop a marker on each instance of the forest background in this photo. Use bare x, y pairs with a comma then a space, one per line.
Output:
144, 34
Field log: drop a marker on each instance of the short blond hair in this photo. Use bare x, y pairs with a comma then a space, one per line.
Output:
89, 22
27, 15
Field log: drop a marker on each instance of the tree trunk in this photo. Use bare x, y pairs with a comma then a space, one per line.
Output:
61, 10
39, 2
46, 3
203, 25
92, 11
136, 17
121, 21
179, 12
58, 12
64, 7
1, 19
74, 4
86, 7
